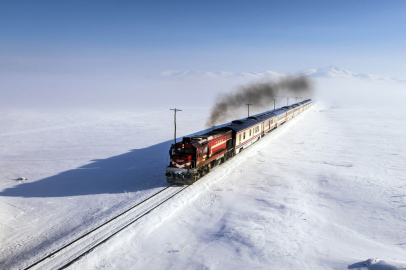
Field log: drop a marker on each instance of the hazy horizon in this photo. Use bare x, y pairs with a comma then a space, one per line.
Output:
104, 54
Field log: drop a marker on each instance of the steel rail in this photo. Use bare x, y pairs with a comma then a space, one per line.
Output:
103, 225
110, 236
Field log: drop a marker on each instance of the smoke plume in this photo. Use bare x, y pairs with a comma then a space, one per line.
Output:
260, 94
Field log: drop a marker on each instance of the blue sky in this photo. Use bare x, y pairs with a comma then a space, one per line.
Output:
152, 36
109, 53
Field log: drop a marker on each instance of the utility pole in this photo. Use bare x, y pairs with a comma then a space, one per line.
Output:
175, 110
274, 104
287, 102
248, 104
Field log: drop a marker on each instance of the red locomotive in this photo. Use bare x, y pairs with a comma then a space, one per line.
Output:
195, 156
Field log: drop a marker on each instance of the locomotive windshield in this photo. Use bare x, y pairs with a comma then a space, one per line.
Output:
180, 151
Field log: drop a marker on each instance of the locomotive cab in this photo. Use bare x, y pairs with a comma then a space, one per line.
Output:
183, 155
182, 162
195, 156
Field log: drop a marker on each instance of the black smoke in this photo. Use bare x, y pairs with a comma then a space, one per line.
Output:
260, 94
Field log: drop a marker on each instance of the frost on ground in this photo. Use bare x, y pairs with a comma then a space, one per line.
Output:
325, 191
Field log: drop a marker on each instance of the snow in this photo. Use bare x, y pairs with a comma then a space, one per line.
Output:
193, 74
325, 72
82, 168
326, 190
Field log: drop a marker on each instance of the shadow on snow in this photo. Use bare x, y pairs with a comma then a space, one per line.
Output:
136, 170
139, 169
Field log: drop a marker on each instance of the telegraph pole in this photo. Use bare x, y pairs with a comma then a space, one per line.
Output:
175, 110
287, 102
274, 104
248, 104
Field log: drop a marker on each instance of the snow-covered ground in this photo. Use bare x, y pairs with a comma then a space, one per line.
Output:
325, 191
82, 168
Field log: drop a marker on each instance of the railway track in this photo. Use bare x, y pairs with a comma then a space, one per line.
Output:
74, 250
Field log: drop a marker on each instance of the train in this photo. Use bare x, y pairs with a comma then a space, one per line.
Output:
195, 156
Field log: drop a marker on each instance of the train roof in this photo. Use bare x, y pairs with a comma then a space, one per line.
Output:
239, 125
279, 111
287, 108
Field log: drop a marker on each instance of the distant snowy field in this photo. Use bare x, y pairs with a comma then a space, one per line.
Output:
325, 191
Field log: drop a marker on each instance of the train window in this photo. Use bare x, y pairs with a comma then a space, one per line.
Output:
250, 132
205, 150
188, 151
200, 153
244, 135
